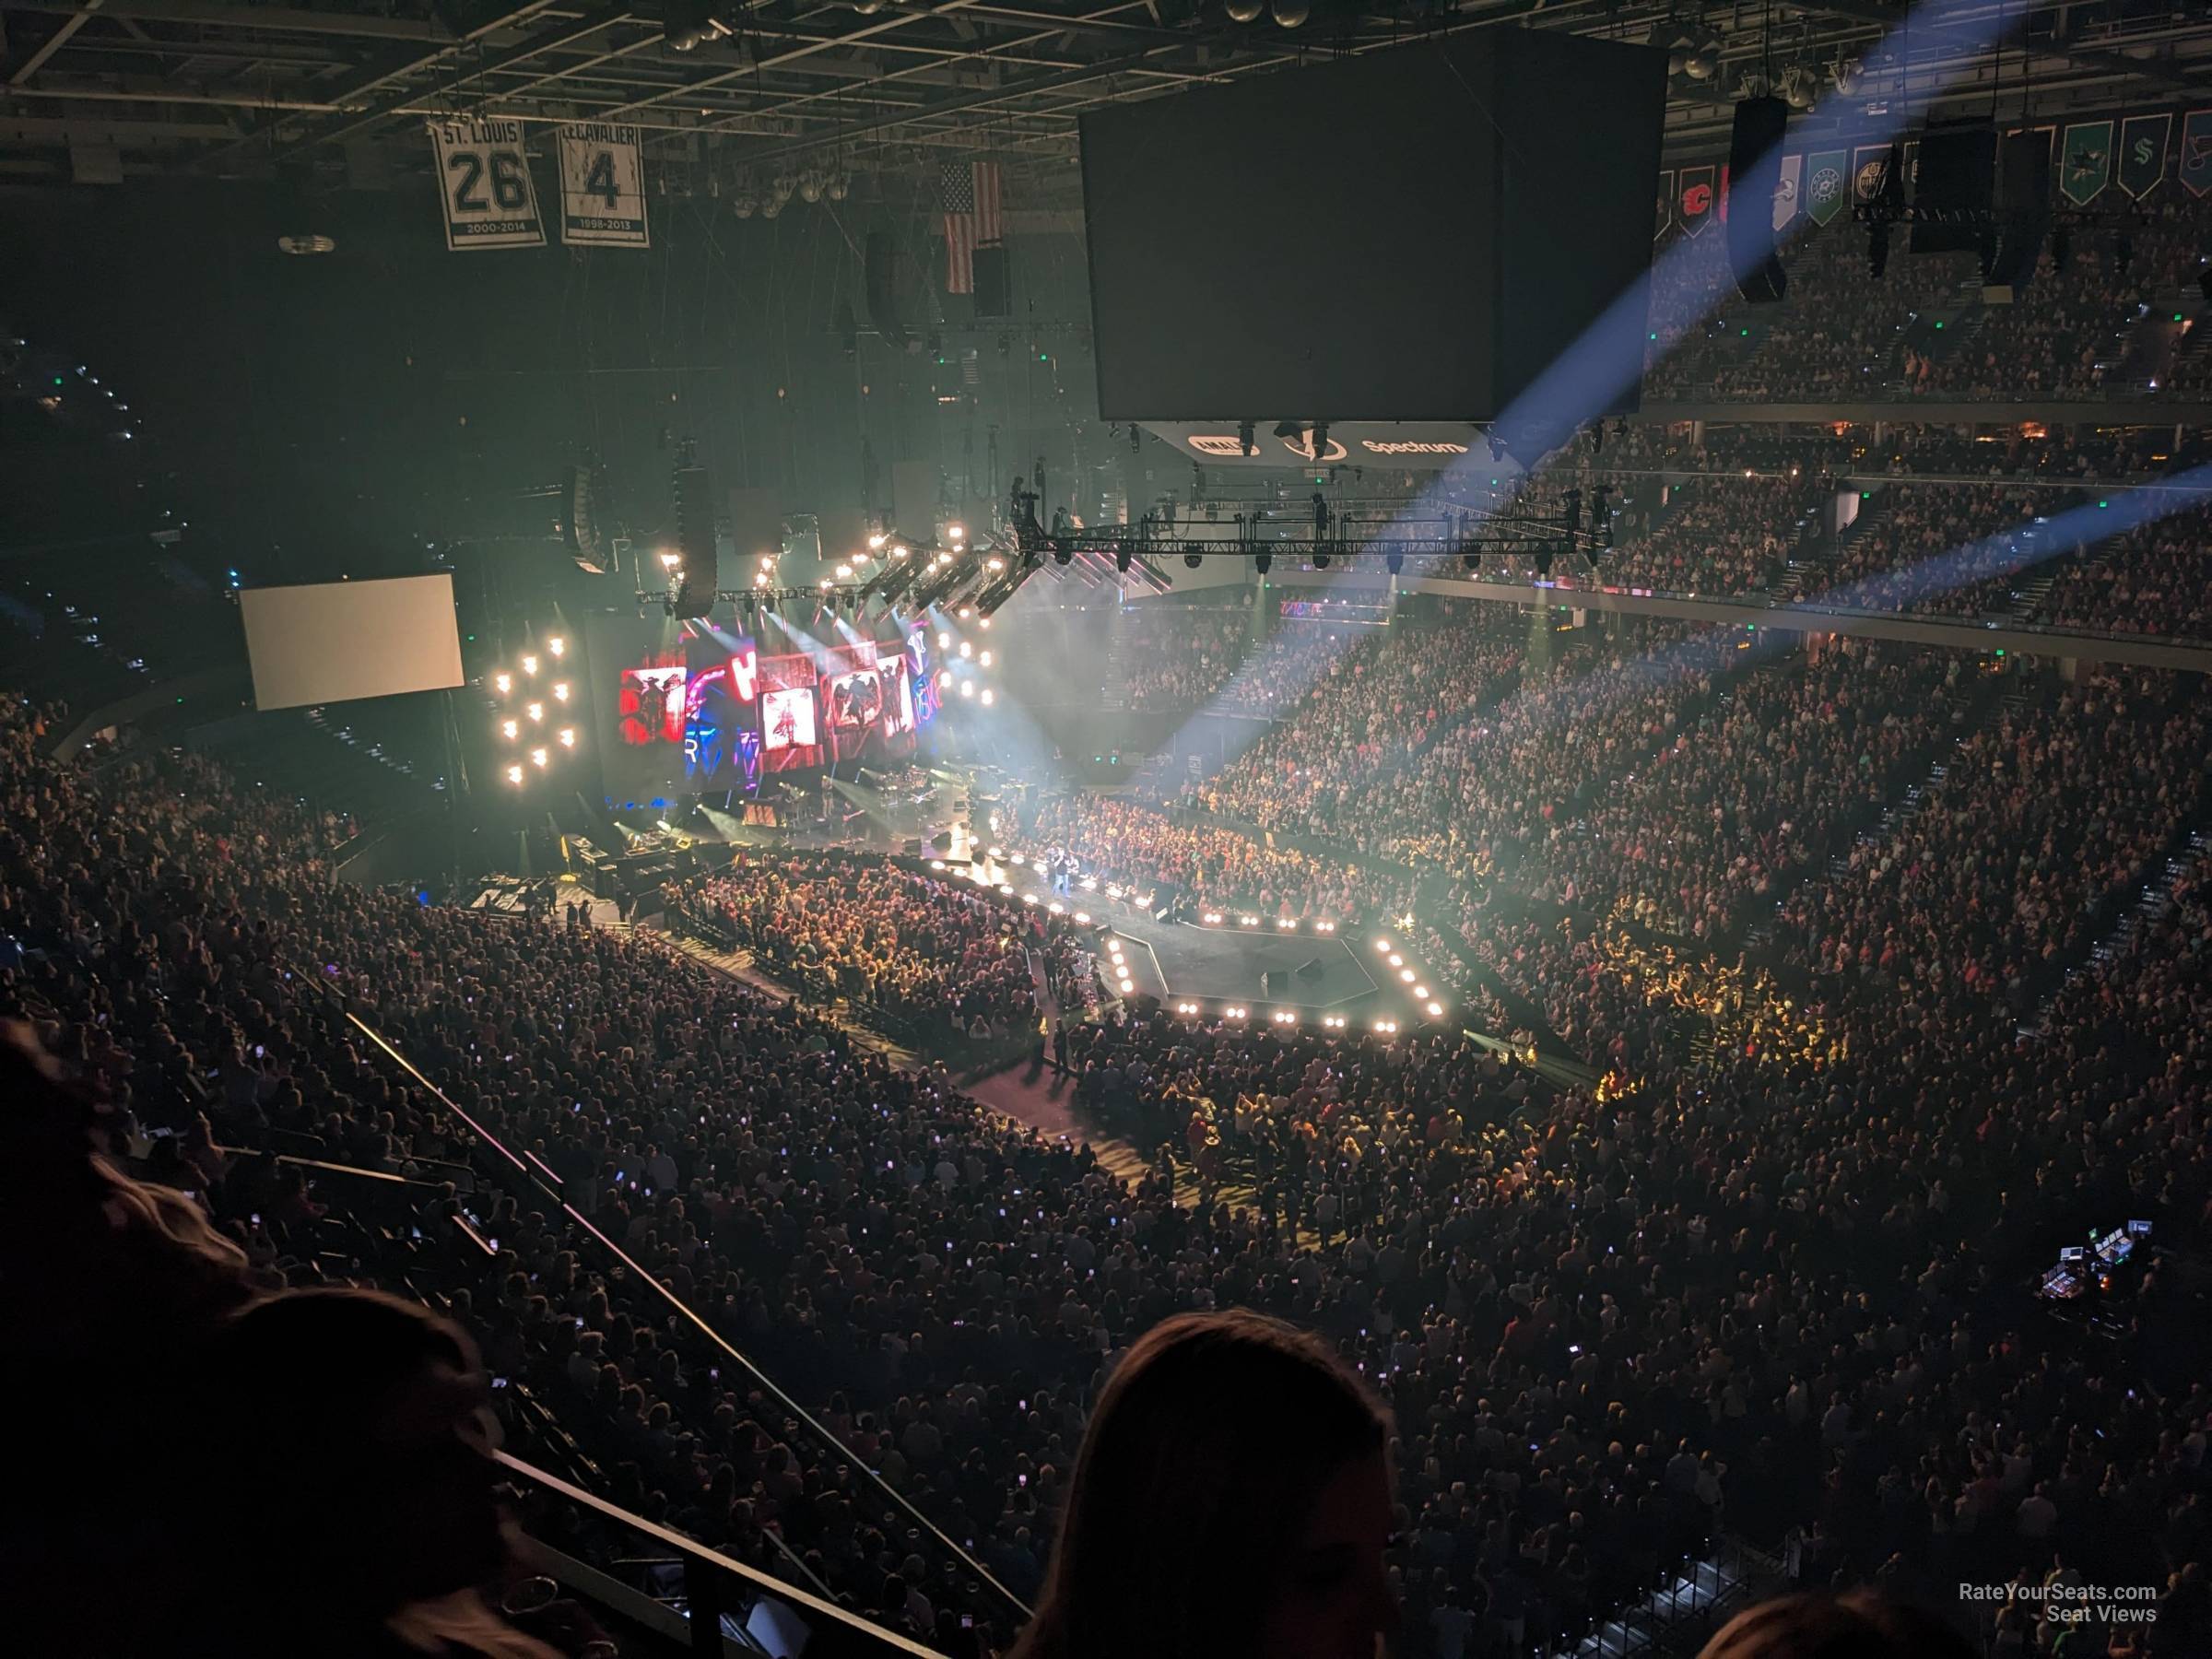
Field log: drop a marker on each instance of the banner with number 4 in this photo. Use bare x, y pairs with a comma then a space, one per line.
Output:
484, 180
602, 186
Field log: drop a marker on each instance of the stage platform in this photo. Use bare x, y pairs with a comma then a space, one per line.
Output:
1178, 962
1361, 977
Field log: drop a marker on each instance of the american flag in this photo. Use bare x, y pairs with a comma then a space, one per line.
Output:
967, 192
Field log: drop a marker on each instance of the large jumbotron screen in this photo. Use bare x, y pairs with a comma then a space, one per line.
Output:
697, 709
1413, 234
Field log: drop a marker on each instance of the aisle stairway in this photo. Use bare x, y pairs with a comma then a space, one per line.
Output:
1813, 566
1980, 710
2152, 901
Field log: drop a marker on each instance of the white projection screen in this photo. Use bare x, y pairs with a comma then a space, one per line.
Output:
332, 642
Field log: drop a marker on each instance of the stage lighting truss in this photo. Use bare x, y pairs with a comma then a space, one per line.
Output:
1128, 555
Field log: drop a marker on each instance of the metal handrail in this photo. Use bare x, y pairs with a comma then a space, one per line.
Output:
549, 1185
715, 1584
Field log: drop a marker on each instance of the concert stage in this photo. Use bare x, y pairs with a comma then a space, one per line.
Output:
1181, 963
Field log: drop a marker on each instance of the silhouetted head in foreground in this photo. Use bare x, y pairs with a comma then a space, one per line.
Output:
1232, 1499
1857, 1626
350, 1461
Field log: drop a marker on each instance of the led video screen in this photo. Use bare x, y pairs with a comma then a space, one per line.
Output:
1353, 241
701, 710
334, 641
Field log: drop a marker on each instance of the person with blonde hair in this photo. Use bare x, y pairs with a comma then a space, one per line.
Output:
1231, 1501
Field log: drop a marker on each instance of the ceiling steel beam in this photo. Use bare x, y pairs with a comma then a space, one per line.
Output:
53, 42
2158, 73
867, 31
560, 34
267, 19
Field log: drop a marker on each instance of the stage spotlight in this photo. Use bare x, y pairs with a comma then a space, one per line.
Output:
983, 658
510, 729
505, 682
1407, 974
1321, 561
1248, 442
1083, 918
987, 697
568, 736
557, 645
1192, 558
1393, 562
538, 756
967, 650
561, 690
1435, 1010
944, 676
967, 687
1263, 562
955, 533
529, 665
1120, 562
514, 774
1383, 945
535, 710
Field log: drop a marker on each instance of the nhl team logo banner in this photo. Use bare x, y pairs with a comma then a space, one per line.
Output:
1827, 185
1869, 164
2143, 152
1696, 198
484, 182
2085, 165
2196, 151
1665, 218
1786, 193
602, 186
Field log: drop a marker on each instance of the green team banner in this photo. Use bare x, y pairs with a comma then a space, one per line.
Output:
2143, 152
1827, 184
2085, 165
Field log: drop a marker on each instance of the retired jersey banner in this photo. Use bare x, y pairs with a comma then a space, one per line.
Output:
2195, 171
1827, 185
484, 180
602, 186
1786, 192
2143, 152
1697, 199
2085, 164
1665, 218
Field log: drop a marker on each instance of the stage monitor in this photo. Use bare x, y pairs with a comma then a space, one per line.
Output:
1412, 234
334, 641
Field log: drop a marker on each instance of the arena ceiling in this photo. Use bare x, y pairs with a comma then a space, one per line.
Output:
874, 93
